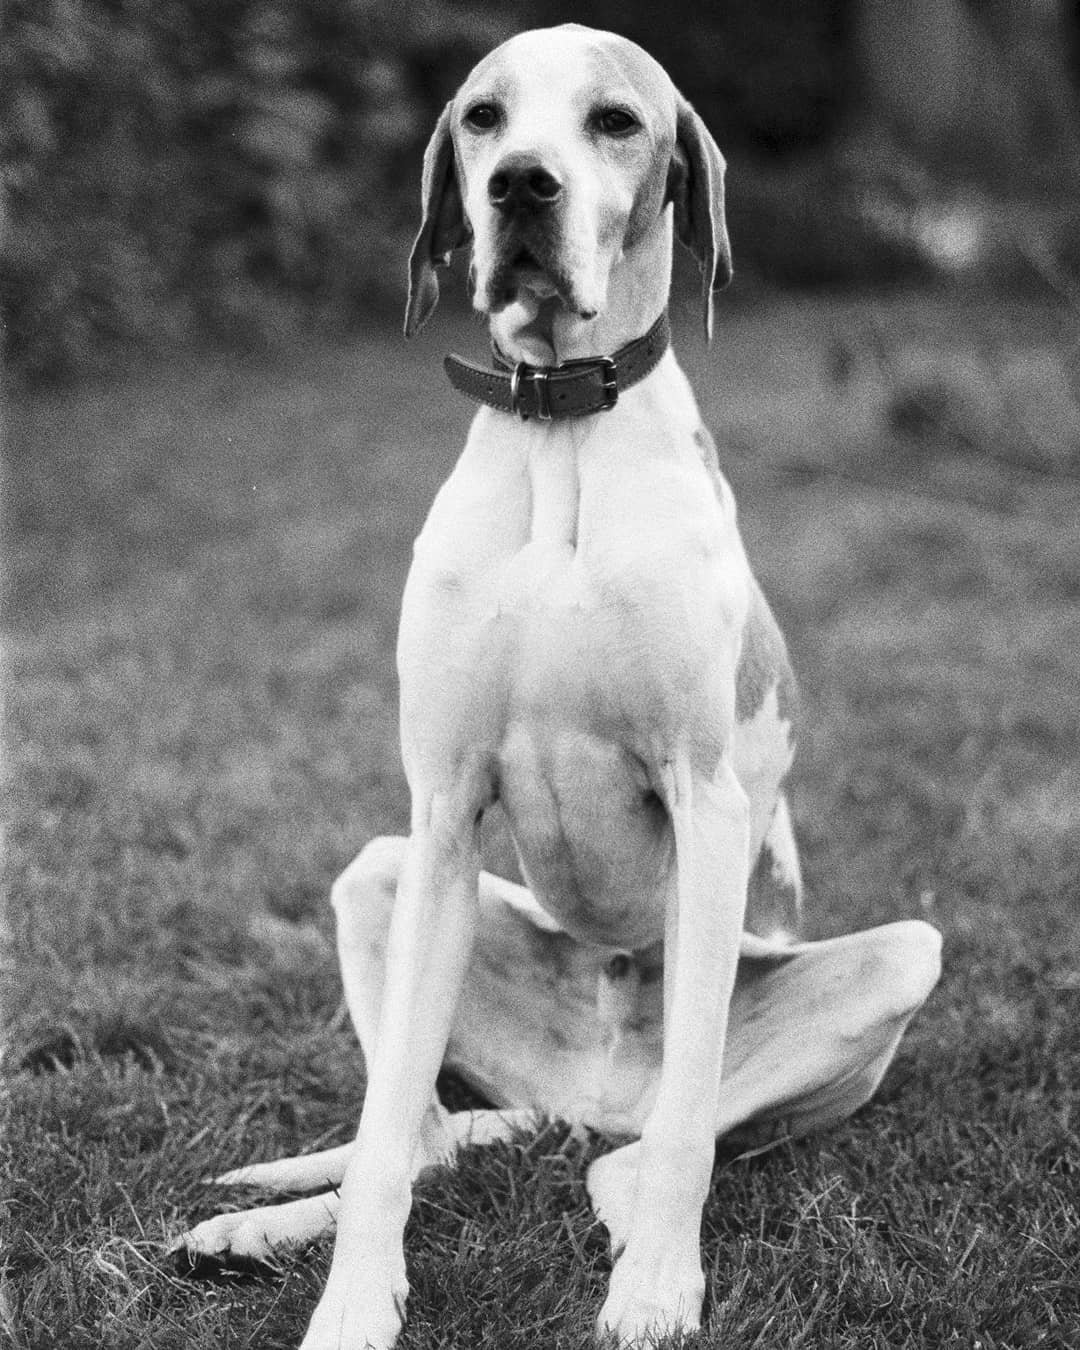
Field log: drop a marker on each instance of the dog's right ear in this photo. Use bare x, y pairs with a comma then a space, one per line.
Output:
442, 228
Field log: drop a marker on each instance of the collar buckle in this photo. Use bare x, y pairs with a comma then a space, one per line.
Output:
609, 377
539, 376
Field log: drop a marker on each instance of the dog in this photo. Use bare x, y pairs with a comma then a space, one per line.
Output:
584, 651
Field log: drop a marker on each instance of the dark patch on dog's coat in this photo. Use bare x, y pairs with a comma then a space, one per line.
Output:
763, 664
763, 661
772, 899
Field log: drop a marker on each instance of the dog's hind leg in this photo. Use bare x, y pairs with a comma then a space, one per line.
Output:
308, 1172
545, 1027
812, 1028
254, 1235
317, 1171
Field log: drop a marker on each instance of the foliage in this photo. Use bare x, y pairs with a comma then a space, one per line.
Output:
182, 167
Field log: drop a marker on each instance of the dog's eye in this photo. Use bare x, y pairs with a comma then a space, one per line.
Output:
482, 116
616, 121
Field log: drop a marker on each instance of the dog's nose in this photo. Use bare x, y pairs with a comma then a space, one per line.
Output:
522, 183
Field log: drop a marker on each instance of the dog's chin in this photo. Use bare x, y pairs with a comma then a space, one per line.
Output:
532, 309
524, 328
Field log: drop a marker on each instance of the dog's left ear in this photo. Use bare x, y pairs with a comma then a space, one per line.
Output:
443, 227
696, 186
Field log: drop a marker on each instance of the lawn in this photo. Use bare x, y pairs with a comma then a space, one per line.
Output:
205, 566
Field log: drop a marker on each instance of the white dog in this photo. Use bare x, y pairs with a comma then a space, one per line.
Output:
582, 644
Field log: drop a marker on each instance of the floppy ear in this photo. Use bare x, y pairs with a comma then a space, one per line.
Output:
696, 186
442, 228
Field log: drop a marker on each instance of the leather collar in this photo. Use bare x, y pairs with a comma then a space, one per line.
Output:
572, 389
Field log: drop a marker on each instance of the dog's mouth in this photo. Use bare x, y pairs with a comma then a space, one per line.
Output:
521, 269
526, 271
532, 275
525, 261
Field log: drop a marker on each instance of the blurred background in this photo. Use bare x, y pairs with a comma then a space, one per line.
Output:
193, 171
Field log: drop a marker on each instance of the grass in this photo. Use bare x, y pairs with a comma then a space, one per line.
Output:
205, 570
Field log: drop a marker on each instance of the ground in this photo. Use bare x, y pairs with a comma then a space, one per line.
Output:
205, 571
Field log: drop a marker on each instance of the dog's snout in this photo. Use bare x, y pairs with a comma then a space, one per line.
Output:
523, 183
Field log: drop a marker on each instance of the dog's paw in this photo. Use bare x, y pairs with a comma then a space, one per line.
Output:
252, 1237
611, 1182
356, 1317
649, 1298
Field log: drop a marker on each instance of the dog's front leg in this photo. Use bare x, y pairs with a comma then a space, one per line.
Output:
657, 1284
431, 936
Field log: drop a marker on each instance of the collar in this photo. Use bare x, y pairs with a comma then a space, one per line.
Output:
570, 389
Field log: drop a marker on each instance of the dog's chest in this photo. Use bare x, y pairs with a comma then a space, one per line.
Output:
607, 615
565, 618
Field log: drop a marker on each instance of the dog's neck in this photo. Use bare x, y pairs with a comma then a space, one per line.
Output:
545, 333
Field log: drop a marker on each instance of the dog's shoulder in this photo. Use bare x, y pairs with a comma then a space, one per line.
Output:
710, 458
764, 664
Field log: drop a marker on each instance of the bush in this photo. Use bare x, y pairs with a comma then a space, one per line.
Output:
182, 168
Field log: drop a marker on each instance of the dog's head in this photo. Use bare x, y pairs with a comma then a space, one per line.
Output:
560, 152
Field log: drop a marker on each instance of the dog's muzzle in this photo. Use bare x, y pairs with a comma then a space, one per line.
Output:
527, 198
